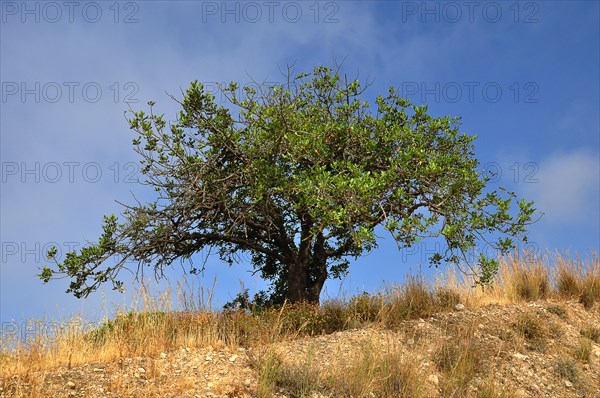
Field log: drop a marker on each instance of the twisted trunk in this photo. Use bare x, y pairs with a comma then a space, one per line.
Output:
308, 272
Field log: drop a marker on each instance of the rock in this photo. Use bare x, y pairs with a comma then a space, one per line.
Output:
568, 384
71, 385
98, 370
410, 341
516, 355
208, 358
247, 382
520, 393
459, 307
141, 370
433, 379
233, 358
535, 387
163, 355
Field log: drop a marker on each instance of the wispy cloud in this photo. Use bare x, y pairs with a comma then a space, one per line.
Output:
568, 188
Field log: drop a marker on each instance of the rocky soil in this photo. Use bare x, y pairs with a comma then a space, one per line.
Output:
527, 350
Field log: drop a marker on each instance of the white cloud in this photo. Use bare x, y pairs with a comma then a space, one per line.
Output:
568, 188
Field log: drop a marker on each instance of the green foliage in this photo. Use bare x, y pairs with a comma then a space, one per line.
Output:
299, 176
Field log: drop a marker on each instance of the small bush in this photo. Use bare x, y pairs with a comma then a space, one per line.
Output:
566, 369
489, 390
591, 285
269, 373
459, 362
412, 300
587, 298
446, 357
583, 350
557, 310
592, 333
533, 331
312, 319
531, 284
446, 298
556, 330
567, 282
372, 373
366, 307
506, 335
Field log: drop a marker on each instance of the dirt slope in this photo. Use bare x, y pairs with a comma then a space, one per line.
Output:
539, 349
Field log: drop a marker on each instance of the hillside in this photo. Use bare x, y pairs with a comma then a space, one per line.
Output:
537, 334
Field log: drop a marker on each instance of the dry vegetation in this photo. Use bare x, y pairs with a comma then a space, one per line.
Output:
535, 332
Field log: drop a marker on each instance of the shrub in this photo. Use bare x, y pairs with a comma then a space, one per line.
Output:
532, 283
567, 282
446, 298
592, 333
366, 307
412, 300
583, 350
557, 310
533, 331
566, 369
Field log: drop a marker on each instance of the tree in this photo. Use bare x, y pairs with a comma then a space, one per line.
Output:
299, 175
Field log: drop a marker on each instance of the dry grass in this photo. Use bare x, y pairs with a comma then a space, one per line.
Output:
529, 277
152, 326
459, 360
370, 372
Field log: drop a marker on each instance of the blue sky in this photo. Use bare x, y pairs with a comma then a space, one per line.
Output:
524, 77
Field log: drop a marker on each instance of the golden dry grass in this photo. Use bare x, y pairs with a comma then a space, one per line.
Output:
150, 327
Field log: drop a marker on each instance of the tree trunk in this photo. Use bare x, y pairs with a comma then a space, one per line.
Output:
297, 282
308, 273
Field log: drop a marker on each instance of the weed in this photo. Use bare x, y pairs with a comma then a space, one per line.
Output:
459, 361
268, 375
568, 282
566, 369
533, 331
583, 350
557, 310
592, 333
447, 298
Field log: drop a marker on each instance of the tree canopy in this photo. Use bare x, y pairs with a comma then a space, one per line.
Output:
299, 176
